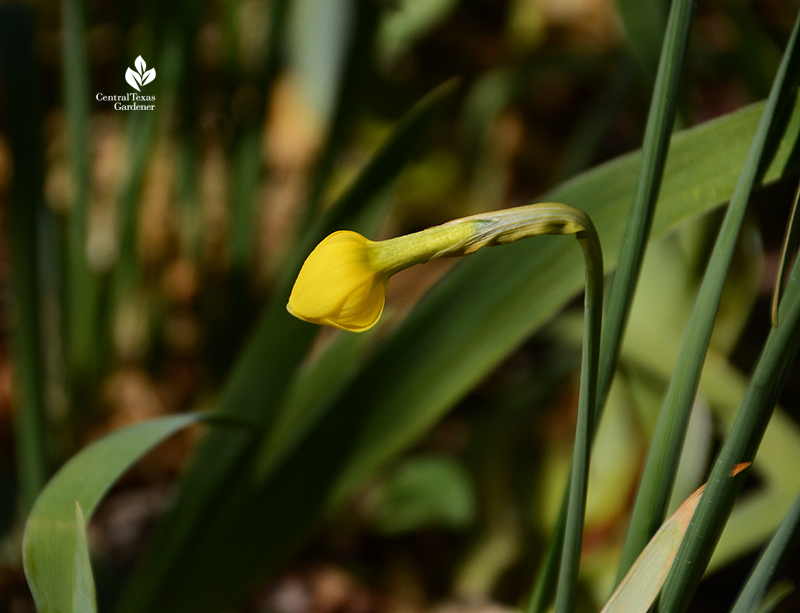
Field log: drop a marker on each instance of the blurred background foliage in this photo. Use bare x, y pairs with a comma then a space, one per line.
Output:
140, 248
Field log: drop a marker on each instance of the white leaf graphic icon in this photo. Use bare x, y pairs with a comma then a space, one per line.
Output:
141, 65
148, 76
133, 79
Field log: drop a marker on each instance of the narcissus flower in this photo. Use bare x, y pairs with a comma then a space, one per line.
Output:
343, 281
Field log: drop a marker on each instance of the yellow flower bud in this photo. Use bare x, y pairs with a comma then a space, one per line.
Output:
338, 286
343, 281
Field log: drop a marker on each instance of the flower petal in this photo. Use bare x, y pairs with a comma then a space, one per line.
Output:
337, 285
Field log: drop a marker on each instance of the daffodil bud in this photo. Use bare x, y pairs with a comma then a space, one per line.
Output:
338, 286
343, 281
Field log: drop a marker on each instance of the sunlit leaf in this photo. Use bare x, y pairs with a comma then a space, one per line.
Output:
55, 553
638, 589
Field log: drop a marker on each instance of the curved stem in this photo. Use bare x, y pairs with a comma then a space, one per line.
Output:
508, 226
587, 415
555, 218
347, 269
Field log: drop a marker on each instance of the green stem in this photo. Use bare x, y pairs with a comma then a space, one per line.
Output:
565, 548
656, 143
587, 411
469, 234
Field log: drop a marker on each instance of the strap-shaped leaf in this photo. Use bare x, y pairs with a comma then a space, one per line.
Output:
83, 593
55, 554
772, 559
662, 461
638, 589
790, 241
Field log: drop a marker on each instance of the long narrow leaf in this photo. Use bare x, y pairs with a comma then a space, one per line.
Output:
659, 473
660, 121
638, 589
84, 599
740, 446
772, 559
53, 547
790, 240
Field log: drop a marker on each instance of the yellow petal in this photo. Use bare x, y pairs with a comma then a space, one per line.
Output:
337, 285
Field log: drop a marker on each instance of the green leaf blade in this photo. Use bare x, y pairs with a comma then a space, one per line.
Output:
55, 555
772, 559
638, 589
83, 592
741, 445
662, 462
